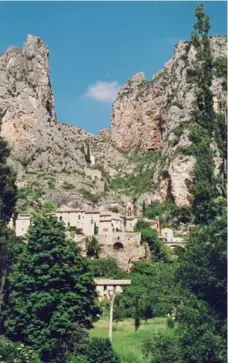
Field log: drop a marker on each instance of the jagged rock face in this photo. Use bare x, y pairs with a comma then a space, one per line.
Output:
26, 99
147, 113
40, 143
136, 115
27, 107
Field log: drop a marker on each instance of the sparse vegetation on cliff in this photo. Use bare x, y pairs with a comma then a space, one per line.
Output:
141, 179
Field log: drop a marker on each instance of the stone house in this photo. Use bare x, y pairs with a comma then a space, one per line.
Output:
130, 223
21, 224
167, 234
104, 286
114, 232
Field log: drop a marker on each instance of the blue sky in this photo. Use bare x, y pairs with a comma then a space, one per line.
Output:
95, 47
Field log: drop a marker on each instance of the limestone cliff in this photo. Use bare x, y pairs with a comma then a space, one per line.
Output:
152, 115
48, 155
65, 164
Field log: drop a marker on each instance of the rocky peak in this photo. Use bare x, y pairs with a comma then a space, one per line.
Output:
152, 115
26, 98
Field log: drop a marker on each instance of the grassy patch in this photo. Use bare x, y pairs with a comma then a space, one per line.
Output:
28, 196
126, 342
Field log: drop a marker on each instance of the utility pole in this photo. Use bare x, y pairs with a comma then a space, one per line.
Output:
112, 295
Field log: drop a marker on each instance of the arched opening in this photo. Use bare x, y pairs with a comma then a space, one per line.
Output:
118, 246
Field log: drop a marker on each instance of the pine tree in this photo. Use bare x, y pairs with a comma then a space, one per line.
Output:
52, 294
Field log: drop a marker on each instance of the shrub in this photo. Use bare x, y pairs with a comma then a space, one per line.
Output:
16, 352
163, 347
67, 186
100, 350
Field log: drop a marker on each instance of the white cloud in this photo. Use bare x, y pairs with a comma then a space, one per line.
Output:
103, 91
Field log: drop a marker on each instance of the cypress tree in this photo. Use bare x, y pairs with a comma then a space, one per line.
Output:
204, 122
137, 313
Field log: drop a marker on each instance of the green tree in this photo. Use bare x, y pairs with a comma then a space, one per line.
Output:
11, 352
157, 248
92, 247
106, 268
201, 333
156, 285
118, 312
144, 207
137, 313
100, 350
8, 197
52, 297
204, 265
163, 348
201, 337
206, 126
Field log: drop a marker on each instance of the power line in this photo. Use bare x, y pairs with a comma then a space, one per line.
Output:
173, 298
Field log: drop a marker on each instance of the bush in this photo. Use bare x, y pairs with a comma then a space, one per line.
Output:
100, 350
16, 353
158, 250
106, 268
162, 348
79, 359
67, 186
164, 211
170, 322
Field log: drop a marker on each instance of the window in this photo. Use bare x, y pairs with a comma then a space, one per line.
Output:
91, 221
60, 218
68, 224
105, 229
79, 216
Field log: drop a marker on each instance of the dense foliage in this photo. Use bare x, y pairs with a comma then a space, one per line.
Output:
16, 352
168, 214
207, 128
52, 298
106, 268
8, 195
200, 336
157, 289
159, 252
100, 350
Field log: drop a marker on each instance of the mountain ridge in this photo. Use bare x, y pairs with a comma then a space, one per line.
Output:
145, 119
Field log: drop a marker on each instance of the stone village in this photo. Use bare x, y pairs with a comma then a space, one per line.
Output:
113, 231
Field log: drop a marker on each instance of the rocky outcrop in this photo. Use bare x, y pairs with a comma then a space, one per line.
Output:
27, 106
136, 115
72, 166
152, 115
39, 143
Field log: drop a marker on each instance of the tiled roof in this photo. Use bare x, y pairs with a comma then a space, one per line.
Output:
92, 211
65, 208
